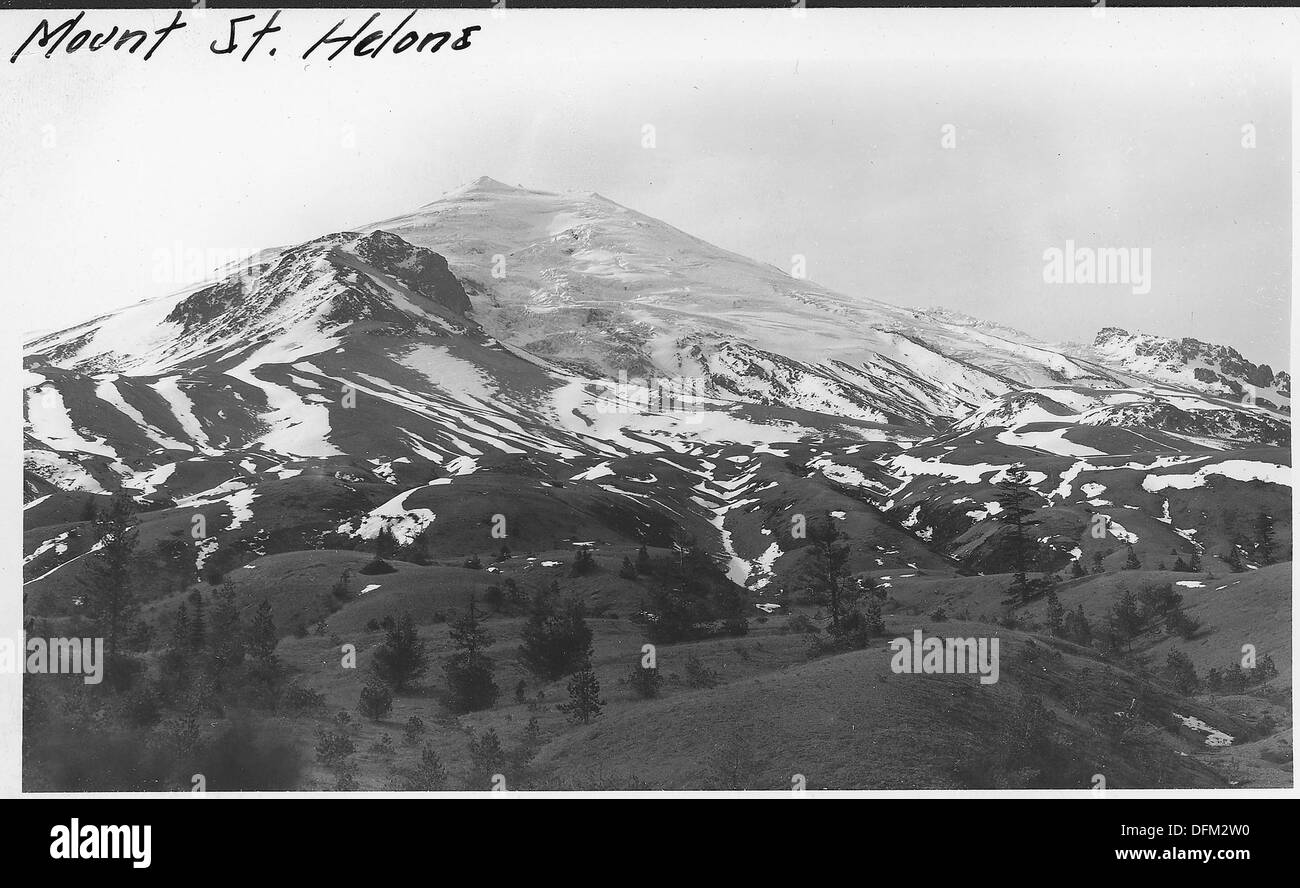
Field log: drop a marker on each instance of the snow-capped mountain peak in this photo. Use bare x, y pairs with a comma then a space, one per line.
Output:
1215, 369
300, 299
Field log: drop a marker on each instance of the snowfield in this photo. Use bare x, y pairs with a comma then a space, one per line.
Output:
1234, 469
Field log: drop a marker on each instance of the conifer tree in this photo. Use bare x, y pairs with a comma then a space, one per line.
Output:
583, 562
226, 633
180, 642
874, 619
1055, 613
1014, 492
487, 759
385, 544
429, 774
109, 598
342, 588
556, 639
402, 657
584, 696
198, 623
825, 567
645, 681
1126, 617
1077, 628
1264, 544
262, 636
469, 670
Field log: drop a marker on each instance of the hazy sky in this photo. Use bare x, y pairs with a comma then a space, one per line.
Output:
773, 136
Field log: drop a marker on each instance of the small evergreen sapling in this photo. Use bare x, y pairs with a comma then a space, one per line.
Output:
584, 697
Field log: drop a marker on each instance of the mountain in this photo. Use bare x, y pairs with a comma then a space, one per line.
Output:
581, 279
522, 375
568, 338
1213, 369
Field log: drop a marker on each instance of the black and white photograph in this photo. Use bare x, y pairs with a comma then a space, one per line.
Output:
648, 402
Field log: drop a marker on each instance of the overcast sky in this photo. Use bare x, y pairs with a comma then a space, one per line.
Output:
774, 136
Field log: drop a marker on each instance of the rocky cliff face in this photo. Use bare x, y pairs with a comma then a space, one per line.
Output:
1215, 369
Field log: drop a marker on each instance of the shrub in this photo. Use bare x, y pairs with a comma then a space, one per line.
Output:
487, 759
735, 626
333, 748
645, 683
429, 775
1181, 672
583, 563
800, 623
698, 675
1178, 623
1155, 599
299, 699
377, 566
530, 742
413, 730
376, 701
1265, 668
343, 588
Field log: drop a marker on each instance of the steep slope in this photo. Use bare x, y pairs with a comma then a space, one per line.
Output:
585, 280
